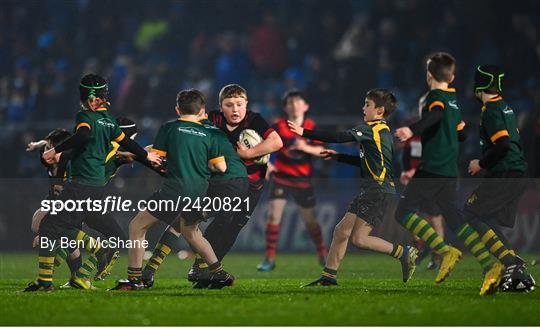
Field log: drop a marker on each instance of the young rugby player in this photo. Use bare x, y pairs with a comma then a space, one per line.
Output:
494, 202
191, 152
291, 175
435, 180
367, 210
58, 172
103, 223
412, 156
228, 187
232, 118
95, 129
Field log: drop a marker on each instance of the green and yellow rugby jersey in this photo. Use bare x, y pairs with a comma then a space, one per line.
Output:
188, 148
376, 151
440, 145
499, 120
235, 165
88, 162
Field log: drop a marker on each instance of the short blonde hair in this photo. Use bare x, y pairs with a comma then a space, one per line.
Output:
232, 90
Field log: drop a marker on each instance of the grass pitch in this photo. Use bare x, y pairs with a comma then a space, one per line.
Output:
370, 292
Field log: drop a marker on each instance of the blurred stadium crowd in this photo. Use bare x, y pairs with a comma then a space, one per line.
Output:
333, 50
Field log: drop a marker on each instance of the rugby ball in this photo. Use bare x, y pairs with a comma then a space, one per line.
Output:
250, 138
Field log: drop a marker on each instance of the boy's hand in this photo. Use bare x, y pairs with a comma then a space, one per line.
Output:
406, 176
271, 168
49, 155
243, 151
474, 167
329, 154
404, 133
154, 158
295, 128
34, 145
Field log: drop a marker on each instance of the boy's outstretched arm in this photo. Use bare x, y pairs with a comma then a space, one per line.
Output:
326, 136
302, 145
328, 154
140, 154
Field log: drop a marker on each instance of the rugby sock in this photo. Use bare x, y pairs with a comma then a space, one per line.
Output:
93, 248
329, 273
200, 262
215, 267
397, 251
316, 235
46, 265
87, 267
423, 230
62, 255
496, 246
474, 244
46, 269
163, 248
272, 236
91, 245
134, 274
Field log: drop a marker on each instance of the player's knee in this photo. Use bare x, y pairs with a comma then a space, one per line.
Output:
136, 228
340, 233
360, 241
190, 232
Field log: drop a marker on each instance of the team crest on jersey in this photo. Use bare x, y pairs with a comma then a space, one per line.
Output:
192, 131
453, 104
105, 122
507, 110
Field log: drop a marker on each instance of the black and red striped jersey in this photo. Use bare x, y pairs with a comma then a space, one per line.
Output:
294, 167
252, 121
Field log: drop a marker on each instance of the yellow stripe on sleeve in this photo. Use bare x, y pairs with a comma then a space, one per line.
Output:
120, 137
80, 125
498, 134
161, 153
217, 160
435, 104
